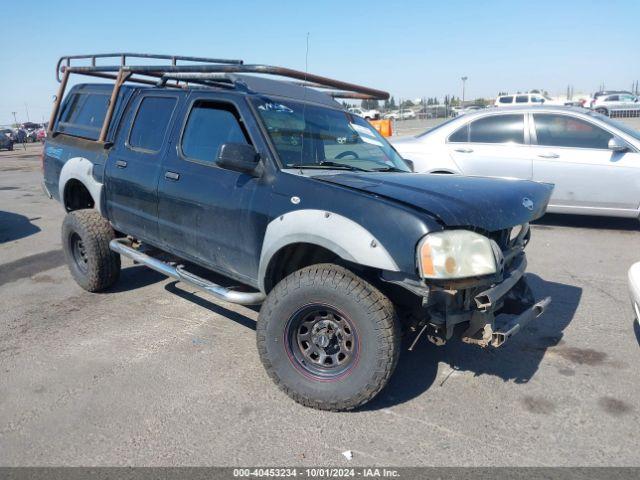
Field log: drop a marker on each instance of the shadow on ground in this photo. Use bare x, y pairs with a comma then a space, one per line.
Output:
588, 221
132, 278
14, 226
517, 361
213, 307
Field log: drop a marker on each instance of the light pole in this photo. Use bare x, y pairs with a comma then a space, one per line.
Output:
15, 120
464, 80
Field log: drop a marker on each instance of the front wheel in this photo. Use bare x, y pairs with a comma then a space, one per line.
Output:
328, 338
603, 111
85, 241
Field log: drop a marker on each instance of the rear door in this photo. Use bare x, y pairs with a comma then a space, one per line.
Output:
134, 164
493, 145
573, 153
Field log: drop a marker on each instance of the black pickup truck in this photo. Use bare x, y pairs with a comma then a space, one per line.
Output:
212, 166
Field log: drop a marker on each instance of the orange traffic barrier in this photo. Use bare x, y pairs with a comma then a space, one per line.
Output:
383, 126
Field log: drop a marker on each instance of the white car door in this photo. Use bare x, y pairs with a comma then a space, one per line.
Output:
573, 154
494, 145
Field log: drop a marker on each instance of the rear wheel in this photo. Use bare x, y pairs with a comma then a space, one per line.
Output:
328, 338
85, 241
603, 111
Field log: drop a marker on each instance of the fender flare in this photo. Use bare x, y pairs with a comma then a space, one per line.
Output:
81, 169
341, 235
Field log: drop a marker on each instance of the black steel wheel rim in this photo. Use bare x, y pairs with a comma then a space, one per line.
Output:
322, 342
79, 252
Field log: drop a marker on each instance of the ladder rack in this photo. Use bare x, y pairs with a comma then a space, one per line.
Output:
211, 72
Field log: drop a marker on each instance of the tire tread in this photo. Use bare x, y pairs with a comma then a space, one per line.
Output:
380, 309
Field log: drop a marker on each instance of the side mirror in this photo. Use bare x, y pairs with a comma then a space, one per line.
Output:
616, 144
239, 157
410, 164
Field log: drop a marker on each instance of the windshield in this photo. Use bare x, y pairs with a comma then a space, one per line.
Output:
629, 130
311, 136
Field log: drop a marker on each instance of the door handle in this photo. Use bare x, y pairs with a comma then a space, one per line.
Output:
172, 176
549, 155
464, 150
121, 164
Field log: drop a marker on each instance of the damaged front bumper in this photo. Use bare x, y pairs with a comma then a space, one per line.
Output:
486, 315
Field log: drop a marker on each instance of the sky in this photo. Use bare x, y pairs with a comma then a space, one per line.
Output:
410, 48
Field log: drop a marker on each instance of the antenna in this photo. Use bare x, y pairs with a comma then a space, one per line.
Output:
304, 102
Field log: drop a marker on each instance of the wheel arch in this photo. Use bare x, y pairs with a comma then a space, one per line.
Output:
305, 237
76, 182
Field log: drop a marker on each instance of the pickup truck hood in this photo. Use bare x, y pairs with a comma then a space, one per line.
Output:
487, 203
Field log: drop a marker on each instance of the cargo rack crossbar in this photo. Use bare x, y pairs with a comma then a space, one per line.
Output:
211, 72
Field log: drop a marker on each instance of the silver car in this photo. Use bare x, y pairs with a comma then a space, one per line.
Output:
593, 161
618, 104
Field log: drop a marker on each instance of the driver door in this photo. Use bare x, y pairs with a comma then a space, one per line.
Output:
573, 153
207, 213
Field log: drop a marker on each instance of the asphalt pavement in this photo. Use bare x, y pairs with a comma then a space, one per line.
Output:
154, 373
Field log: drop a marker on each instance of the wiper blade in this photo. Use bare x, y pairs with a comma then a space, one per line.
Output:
346, 166
389, 169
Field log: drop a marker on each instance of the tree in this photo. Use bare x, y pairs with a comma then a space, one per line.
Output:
389, 104
369, 104
406, 104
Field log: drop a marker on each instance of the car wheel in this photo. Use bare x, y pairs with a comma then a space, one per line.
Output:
327, 338
85, 242
603, 111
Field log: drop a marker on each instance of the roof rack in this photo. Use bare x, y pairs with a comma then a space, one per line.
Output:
201, 70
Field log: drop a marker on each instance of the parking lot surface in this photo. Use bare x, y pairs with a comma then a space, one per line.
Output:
153, 373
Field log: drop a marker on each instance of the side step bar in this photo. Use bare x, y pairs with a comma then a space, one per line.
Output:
123, 247
498, 338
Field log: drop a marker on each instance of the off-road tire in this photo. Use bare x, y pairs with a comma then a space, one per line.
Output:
372, 315
102, 266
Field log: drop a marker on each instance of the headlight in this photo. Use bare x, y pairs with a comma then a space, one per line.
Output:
455, 254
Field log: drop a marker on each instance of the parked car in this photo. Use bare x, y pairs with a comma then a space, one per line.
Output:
6, 139
465, 110
617, 104
593, 161
20, 135
522, 99
302, 206
634, 289
41, 134
401, 115
366, 114
407, 115
602, 93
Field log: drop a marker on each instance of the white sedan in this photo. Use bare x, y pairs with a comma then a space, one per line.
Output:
634, 288
593, 161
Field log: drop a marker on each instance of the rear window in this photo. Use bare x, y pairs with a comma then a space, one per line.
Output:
508, 99
151, 122
83, 114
